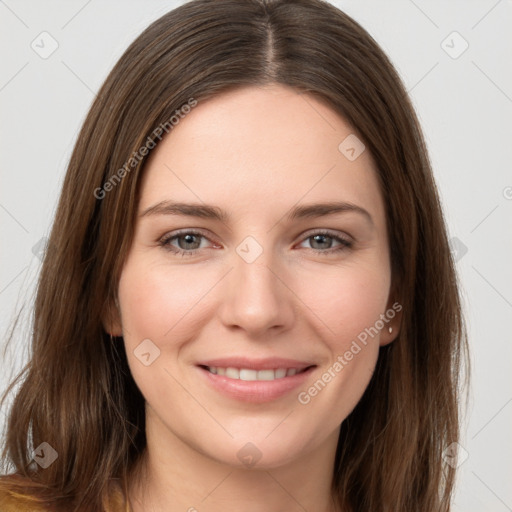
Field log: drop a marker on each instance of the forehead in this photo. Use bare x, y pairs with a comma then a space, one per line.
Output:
266, 148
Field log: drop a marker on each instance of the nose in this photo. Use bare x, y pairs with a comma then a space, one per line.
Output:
257, 298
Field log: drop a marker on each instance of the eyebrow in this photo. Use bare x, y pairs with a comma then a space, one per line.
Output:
207, 211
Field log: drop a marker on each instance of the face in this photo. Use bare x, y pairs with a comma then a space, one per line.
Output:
252, 316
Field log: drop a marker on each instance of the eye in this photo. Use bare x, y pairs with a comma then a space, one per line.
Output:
184, 243
327, 242
188, 243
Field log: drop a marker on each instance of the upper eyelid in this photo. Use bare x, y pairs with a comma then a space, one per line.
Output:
194, 231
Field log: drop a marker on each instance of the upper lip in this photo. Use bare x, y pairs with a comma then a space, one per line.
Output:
269, 363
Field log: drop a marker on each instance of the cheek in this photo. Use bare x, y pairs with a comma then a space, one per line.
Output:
160, 302
158, 306
347, 301
348, 304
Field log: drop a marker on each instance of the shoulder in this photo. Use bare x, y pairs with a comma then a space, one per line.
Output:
13, 500
16, 496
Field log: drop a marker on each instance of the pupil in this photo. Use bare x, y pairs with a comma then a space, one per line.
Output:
189, 239
322, 239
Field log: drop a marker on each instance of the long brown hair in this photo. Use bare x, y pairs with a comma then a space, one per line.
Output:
77, 394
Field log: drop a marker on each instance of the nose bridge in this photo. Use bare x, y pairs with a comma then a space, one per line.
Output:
255, 299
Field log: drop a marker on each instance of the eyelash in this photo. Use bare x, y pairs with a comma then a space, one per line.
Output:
165, 242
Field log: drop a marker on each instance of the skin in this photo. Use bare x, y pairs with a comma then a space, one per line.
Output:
255, 152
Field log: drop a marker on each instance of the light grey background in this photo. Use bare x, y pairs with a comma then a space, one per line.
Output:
464, 103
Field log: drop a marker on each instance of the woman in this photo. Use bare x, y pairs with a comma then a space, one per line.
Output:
248, 299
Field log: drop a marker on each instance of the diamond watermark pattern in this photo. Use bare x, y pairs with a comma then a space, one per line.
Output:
147, 352
455, 455
44, 45
351, 147
454, 45
249, 249
457, 248
45, 455
40, 248
249, 455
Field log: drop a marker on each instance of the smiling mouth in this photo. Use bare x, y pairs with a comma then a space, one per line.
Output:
248, 374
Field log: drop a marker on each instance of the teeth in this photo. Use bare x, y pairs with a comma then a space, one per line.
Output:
233, 373
266, 375
249, 374
280, 373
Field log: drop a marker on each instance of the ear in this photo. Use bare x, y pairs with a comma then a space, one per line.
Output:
393, 321
111, 318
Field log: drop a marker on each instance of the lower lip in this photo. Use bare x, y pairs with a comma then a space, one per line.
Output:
256, 391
